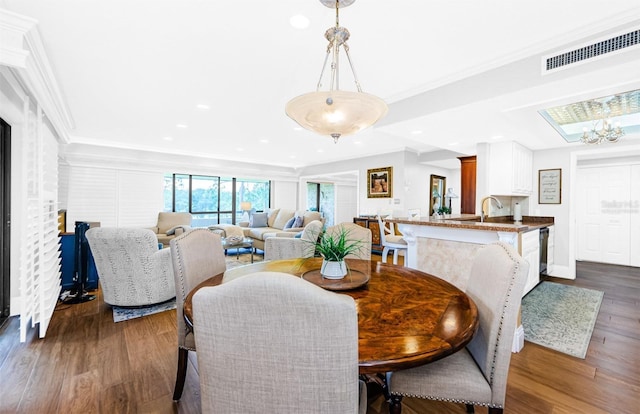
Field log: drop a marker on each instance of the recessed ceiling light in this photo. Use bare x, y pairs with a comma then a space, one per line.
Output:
264, 141
239, 149
320, 150
453, 144
297, 128
168, 138
497, 137
416, 131
183, 126
357, 142
299, 22
203, 107
292, 156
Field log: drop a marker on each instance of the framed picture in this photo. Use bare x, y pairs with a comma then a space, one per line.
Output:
379, 182
550, 186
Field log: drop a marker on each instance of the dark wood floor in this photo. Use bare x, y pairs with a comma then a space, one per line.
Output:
88, 364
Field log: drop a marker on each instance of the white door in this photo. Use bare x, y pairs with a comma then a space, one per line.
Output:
603, 221
634, 212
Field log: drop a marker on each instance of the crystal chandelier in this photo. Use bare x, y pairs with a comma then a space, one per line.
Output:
606, 132
336, 112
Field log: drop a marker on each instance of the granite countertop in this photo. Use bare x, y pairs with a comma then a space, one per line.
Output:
472, 222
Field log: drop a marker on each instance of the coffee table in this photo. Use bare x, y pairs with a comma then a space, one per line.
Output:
247, 242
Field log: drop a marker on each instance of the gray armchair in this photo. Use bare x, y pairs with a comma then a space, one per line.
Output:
132, 271
476, 375
272, 343
281, 247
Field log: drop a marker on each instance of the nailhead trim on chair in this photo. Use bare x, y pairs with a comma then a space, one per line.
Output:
453, 400
182, 292
515, 271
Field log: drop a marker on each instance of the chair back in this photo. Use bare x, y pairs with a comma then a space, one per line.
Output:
197, 255
381, 226
271, 342
132, 271
167, 220
354, 234
496, 285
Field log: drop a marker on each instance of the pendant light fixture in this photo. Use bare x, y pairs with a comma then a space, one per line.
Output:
336, 112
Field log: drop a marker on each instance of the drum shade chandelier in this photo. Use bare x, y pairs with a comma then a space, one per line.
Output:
336, 112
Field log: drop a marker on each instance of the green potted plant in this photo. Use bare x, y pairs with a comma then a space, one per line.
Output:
333, 248
444, 211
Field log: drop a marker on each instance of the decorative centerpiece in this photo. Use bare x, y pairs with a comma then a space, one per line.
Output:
333, 249
233, 240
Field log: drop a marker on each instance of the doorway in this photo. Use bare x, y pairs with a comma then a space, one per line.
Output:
5, 214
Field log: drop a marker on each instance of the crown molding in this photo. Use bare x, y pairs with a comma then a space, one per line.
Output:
22, 50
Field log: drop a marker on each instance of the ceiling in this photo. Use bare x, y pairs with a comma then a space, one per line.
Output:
133, 73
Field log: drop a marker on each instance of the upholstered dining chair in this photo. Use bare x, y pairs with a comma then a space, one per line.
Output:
476, 375
281, 247
196, 255
132, 271
354, 233
269, 342
390, 241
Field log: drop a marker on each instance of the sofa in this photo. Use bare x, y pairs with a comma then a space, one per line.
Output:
277, 222
170, 225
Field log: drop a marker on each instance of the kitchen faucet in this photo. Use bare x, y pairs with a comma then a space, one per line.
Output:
498, 204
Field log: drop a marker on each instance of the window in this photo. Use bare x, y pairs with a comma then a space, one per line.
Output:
321, 197
214, 200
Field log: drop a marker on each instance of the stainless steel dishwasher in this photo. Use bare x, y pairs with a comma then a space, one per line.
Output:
544, 241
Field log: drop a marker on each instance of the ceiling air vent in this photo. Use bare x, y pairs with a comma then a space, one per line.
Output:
613, 44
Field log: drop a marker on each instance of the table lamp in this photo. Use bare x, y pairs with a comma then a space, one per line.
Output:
246, 207
450, 194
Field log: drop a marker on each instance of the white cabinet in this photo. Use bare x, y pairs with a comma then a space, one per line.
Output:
510, 169
530, 251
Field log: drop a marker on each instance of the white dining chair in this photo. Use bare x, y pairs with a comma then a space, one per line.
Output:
272, 343
476, 375
196, 255
390, 241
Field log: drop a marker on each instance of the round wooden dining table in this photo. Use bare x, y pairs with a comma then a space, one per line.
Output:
406, 317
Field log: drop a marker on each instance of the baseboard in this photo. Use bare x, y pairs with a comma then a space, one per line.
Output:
518, 340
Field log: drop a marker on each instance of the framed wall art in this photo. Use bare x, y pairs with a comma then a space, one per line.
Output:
379, 182
550, 186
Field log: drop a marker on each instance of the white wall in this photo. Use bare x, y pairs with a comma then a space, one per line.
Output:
113, 197
410, 181
346, 206
284, 194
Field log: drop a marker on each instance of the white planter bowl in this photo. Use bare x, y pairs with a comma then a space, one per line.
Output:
333, 270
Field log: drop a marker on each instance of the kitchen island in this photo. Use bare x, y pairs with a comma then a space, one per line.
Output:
445, 246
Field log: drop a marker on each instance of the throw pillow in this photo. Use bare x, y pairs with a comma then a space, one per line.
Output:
298, 235
258, 220
172, 230
289, 223
298, 221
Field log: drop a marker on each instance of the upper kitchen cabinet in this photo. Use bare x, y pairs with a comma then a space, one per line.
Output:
510, 169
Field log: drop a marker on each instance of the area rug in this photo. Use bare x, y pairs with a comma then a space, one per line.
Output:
244, 258
124, 314
561, 317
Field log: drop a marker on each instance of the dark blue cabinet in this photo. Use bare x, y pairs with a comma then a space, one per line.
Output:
68, 256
